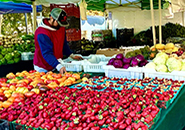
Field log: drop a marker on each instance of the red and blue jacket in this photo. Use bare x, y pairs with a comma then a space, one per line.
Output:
50, 45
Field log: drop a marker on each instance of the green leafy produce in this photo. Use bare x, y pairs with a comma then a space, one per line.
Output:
8, 56
10, 49
3, 61
17, 54
16, 60
1, 56
130, 54
150, 65
4, 51
174, 64
160, 58
1, 47
161, 68
10, 61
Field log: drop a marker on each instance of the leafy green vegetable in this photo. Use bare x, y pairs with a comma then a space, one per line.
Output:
16, 60
161, 68
3, 61
150, 65
174, 64
10, 61
8, 56
160, 58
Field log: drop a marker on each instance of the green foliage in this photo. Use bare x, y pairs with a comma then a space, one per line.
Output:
168, 30
15, 23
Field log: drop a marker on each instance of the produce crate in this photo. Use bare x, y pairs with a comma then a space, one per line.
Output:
164, 104
97, 65
90, 67
16, 126
25, 55
70, 9
73, 34
175, 75
4, 124
131, 72
72, 66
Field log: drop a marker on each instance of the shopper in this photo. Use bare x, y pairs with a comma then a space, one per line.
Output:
51, 43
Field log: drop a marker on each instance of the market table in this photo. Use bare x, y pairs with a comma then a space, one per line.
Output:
172, 118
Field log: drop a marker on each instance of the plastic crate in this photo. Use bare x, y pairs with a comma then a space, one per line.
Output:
73, 34
31, 56
97, 65
164, 104
73, 66
25, 56
175, 75
90, 67
70, 9
4, 124
131, 72
16, 126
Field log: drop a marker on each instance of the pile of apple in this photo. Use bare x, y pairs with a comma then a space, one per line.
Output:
15, 87
81, 109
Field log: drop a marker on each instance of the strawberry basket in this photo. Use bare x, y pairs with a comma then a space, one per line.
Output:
164, 104
17, 126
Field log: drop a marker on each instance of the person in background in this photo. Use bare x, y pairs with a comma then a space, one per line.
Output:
51, 43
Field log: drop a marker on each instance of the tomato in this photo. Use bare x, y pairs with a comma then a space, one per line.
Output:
19, 99
6, 104
68, 74
29, 94
11, 99
76, 76
10, 76
3, 80
56, 76
36, 90
1, 104
16, 95
32, 71
22, 84
62, 79
52, 85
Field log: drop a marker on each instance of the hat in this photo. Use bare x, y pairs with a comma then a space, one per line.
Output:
60, 16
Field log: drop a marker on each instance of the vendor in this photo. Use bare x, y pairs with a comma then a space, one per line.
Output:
51, 43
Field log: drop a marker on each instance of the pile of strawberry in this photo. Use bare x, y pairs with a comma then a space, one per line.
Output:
81, 109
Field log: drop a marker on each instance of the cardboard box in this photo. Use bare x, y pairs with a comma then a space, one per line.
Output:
110, 51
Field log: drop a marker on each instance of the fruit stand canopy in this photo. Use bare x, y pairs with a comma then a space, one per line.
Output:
11, 7
99, 5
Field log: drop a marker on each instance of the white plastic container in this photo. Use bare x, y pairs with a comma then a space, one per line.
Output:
73, 66
131, 72
93, 67
175, 75
31, 56
25, 56
95, 63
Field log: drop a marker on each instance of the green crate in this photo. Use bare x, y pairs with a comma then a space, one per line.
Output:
16, 126
164, 104
157, 116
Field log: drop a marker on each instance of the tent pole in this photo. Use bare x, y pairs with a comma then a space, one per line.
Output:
183, 18
160, 28
153, 26
34, 16
26, 22
1, 19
